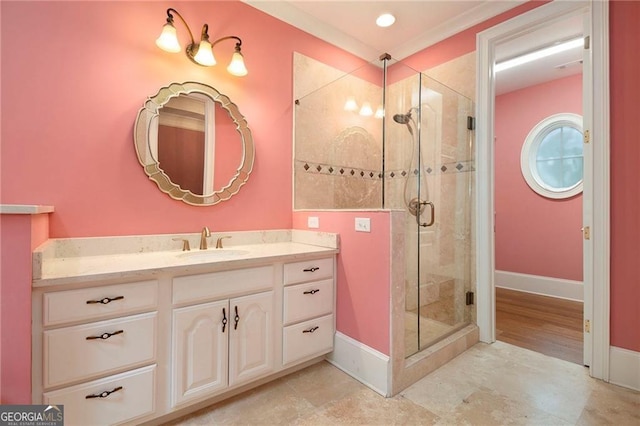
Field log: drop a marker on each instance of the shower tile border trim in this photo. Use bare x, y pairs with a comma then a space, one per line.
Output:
369, 174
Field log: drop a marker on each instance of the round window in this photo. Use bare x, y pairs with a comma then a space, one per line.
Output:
552, 159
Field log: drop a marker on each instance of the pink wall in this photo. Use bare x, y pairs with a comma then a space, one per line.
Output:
534, 235
19, 235
363, 289
625, 163
68, 137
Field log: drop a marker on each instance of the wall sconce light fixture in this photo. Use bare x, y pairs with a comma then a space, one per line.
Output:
350, 104
366, 109
200, 53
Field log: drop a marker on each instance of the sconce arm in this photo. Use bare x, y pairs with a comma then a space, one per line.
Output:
238, 40
170, 20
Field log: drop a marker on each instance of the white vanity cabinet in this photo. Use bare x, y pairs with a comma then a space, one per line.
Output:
137, 346
98, 349
308, 310
223, 343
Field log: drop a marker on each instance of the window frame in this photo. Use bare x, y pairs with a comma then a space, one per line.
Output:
528, 155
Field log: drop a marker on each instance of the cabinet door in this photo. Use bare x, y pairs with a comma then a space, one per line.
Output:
200, 350
251, 343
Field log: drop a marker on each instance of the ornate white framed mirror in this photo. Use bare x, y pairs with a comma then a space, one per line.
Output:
194, 143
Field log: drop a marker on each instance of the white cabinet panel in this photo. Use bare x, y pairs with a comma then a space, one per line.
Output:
83, 351
98, 302
309, 270
221, 285
307, 300
200, 347
251, 344
115, 399
307, 339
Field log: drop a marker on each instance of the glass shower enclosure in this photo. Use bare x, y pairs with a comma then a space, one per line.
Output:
394, 138
428, 151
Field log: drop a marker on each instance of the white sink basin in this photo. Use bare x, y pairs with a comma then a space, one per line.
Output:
212, 254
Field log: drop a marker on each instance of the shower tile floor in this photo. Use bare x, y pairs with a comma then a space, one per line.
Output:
430, 330
494, 384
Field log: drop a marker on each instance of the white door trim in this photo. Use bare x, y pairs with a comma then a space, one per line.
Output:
598, 309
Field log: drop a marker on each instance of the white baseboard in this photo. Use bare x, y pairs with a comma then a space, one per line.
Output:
546, 286
361, 362
624, 368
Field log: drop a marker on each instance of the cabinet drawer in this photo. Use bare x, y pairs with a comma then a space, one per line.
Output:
134, 399
299, 341
308, 270
98, 302
304, 301
217, 285
69, 356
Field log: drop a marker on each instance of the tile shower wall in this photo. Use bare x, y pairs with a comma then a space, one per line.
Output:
338, 153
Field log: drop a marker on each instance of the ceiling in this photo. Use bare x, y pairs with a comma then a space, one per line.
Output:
351, 26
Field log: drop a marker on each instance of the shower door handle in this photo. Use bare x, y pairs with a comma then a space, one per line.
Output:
433, 213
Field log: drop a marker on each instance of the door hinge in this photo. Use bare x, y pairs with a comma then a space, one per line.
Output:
587, 42
471, 123
586, 231
587, 136
469, 297
587, 326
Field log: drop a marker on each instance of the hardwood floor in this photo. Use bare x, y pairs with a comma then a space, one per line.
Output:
543, 324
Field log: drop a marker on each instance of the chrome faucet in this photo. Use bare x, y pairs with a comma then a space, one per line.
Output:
203, 238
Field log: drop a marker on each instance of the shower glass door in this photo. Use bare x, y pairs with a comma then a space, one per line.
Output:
428, 174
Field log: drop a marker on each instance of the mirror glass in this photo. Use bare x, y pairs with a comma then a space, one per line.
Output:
194, 143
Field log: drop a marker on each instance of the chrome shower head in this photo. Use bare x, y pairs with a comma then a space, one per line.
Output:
402, 118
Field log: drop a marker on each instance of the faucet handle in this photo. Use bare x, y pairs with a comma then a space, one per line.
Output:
219, 242
185, 243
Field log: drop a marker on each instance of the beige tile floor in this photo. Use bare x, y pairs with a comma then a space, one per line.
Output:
496, 384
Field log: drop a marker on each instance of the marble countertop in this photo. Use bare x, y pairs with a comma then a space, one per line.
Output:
62, 262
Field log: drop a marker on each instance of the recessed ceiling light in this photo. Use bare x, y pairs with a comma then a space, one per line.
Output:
385, 20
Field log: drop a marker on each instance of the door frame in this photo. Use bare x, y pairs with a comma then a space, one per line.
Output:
595, 204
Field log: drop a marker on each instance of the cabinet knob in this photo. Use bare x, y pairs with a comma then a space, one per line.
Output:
236, 319
312, 269
311, 330
314, 291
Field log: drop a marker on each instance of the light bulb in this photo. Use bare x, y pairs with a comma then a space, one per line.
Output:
204, 55
366, 109
168, 39
351, 104
236, 66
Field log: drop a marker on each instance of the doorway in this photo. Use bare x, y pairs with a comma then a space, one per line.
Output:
538, 168
596, 181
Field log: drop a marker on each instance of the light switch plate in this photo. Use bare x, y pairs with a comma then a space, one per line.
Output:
313, 222
363, 224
